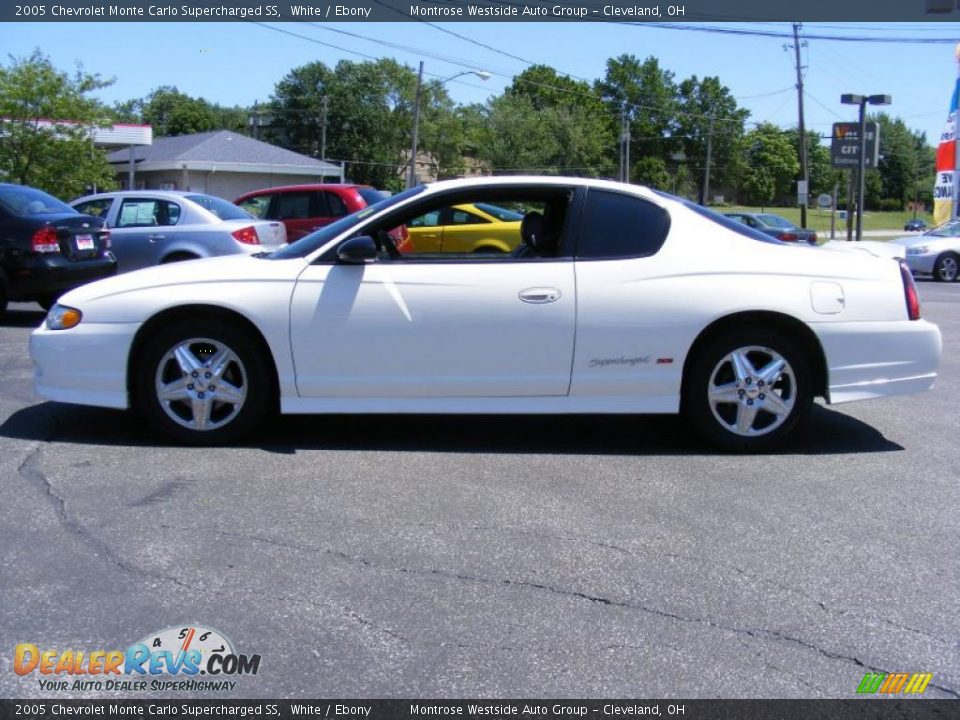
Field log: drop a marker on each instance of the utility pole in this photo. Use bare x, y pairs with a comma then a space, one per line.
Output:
706, 172
323, 131
804, 172
412, 174
624, 145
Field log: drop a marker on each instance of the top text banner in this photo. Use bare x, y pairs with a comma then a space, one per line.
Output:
464, 11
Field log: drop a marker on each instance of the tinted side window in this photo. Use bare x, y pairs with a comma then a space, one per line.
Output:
616, 226
256, 206
337, 208
291, 206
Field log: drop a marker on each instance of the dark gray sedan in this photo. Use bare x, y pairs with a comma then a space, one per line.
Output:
776, 226
150, 227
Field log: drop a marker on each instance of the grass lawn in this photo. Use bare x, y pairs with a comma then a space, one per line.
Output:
819, 220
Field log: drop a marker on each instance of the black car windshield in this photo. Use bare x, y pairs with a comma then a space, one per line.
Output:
315, 240
501, 214
728, 222
221, 208
25, 201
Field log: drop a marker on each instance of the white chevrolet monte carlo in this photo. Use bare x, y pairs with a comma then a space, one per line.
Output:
616, 299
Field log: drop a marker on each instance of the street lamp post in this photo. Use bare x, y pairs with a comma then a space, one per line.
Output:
863, 101
412, 170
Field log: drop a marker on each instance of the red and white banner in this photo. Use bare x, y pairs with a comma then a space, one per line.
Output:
944, 189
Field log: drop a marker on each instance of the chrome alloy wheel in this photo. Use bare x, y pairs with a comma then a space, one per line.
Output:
752, 391
201, 384
947, 268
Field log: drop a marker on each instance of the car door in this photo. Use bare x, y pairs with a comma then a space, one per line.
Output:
631, 326
426, 232
141, 229
298, 211
461, 325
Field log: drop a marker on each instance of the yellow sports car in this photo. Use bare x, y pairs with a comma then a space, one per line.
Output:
466, 228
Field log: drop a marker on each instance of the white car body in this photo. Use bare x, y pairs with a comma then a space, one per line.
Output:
501, 336
935, 252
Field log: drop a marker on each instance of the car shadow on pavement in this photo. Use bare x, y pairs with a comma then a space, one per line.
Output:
22, 318
827, 432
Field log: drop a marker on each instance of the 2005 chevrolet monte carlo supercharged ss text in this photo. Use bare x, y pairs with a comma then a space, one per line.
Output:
618, 299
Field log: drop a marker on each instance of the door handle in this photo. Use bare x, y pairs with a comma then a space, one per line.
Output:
154, 238
539, 296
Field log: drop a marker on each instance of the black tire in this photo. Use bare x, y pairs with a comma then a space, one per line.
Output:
3, 300
248, 372
766, 424
178, 257
945, 268
47, 301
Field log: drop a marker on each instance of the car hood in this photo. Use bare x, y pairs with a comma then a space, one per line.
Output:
221, 269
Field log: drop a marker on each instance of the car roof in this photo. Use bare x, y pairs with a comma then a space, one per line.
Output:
307, 186
141, 193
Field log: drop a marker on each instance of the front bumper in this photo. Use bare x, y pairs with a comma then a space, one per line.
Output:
921, 264
86, 365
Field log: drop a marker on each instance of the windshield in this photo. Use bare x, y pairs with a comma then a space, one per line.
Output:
775, 221
24, 201
501, 214
950, 228
315, 240
728, 222
221, 208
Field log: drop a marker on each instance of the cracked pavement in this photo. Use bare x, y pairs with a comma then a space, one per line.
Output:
493, 557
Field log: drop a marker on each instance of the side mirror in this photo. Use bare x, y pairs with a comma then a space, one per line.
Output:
360, 249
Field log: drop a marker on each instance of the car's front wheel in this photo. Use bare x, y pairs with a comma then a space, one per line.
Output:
946, 267
203, 382
747, 391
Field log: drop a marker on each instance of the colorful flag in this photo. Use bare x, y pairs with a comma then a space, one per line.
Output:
946, 182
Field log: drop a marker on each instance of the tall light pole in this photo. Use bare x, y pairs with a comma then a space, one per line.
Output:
863, 101
412, 170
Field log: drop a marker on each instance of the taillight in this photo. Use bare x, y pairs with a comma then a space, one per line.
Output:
45, 240
789, 237
910, 292
247, 235
105, 237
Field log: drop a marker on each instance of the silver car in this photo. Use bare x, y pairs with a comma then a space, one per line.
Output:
935, 252
151, 227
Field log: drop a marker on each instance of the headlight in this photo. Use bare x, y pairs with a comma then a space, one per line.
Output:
62, 317
918, 250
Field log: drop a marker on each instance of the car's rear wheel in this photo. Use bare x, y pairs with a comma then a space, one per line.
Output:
748, 391
47, 301
203, 382
3, 300
946, 267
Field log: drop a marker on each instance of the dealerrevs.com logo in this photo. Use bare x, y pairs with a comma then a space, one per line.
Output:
894, 683
172, 659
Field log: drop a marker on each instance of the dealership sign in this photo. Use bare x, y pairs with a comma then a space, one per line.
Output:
845, 145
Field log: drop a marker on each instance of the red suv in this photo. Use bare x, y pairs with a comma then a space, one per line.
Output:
305, 208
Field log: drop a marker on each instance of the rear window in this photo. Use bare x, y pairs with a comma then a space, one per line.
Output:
722, 220
26, 201
775, 221
371, 196
221, 208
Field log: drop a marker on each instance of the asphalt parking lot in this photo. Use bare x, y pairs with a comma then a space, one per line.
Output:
495, 556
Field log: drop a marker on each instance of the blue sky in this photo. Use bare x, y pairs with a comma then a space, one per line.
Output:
239, 63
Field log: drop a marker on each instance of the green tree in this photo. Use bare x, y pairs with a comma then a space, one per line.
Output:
46, 123
772, 164
647, 95
709, 118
